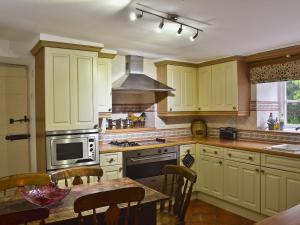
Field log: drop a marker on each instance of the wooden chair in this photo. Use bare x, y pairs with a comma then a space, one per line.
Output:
77, 173
178, 185
24, 217
112, 198
20, 181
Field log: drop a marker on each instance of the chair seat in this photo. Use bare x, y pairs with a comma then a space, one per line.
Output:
164, 218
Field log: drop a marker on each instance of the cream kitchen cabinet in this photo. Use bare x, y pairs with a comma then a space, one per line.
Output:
189, 149
69, 89
111, 163
280, 183
205, 88
242, 184
224, 87
210, 175
184, 81
102, 86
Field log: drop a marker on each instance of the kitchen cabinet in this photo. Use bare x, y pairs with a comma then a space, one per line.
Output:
242, 184
224, 87
184, 81
69, 88
111, 163
102, 86
210, 175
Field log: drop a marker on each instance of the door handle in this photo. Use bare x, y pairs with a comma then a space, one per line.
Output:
15, 137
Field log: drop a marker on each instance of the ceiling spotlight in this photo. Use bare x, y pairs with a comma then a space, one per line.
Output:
192, 38
179, 32
160, 26
132, 16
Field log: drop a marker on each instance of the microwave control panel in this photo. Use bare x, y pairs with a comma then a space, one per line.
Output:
92, 148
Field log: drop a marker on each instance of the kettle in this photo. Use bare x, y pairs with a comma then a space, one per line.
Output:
199, 128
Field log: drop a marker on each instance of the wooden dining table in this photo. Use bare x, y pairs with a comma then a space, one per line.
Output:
62, 213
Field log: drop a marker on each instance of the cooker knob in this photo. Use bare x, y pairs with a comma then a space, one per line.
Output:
159, 151
166, 150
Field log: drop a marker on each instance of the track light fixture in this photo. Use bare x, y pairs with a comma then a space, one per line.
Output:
160, 26
179, 32
170, 17
192, 38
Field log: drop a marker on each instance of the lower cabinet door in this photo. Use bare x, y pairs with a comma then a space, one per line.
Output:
292, 189
210, 174
242, 184
112, 172
273, 189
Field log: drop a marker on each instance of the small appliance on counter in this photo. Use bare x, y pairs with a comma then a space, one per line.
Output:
229, 133
199, 128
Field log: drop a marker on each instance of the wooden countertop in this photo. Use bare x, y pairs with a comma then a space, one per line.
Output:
288, 217
254, 146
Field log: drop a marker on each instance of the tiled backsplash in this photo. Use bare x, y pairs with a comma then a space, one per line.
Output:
258, 135
146, 134
125, 108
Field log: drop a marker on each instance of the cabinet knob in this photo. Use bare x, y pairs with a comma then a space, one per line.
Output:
250, 158
229, 154
216, 153
262, 171
120, 169
204, 150
257, 170
234, 107
170, 109
220, 162
111, 160
199, 108
109, 110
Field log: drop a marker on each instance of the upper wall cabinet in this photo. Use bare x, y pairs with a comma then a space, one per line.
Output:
221, 89
102, 86
184, 80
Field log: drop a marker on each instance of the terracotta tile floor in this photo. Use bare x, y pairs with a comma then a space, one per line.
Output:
201, 213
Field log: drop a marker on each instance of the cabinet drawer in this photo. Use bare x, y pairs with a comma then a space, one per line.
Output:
242, 156
110, 159
280, 162
211, 151
184, 149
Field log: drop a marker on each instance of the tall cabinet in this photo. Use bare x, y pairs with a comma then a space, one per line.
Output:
72, 85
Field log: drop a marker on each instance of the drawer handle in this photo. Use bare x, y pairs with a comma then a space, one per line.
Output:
250, 158
111, 160
216, 153
220, 162
234, 107
204, 150
257, 170
262, 171
229, 154
120, 169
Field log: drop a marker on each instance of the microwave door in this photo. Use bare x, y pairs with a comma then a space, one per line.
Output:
68, 151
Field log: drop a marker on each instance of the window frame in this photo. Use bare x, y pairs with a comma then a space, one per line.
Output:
283, 104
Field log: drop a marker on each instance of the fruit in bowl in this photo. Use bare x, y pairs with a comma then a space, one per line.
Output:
46, 195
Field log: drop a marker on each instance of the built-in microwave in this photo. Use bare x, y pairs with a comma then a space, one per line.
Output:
72, 148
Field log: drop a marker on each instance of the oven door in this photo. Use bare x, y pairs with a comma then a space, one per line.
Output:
68, 151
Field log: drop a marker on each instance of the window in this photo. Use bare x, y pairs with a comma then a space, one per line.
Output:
291, 103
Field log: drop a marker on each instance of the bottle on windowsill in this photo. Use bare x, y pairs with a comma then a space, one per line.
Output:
271, 122
281, 122
276, 124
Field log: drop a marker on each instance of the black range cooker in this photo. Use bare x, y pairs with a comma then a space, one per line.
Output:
146, 165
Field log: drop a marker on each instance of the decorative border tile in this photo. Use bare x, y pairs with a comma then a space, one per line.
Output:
125, 108
146, 134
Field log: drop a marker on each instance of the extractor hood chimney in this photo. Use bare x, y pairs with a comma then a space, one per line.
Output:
136, 81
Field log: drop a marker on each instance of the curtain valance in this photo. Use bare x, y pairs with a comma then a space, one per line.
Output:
275, 72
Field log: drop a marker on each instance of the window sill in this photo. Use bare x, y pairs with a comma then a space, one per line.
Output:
286, 130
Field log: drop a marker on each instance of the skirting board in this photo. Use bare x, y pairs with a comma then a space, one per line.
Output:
251, 215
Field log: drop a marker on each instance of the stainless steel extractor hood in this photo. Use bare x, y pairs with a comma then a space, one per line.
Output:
136, 81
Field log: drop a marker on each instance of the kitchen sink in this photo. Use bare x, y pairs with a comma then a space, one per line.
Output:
287, 147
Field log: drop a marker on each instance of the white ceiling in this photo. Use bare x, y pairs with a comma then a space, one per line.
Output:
238, 27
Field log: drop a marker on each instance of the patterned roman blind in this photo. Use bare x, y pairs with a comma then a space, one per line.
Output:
275, 72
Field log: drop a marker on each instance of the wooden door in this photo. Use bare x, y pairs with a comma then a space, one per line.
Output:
204, 88
102, 86
14, 155
273, 191
58, 89
218, 81
174, 80
204, 174
230, 86
232, 181
84, 71
292, 189
217, 177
